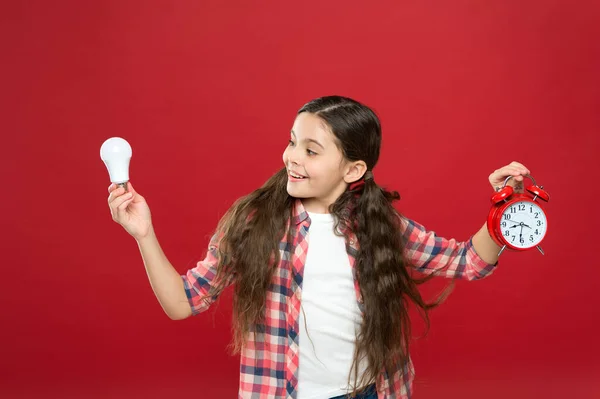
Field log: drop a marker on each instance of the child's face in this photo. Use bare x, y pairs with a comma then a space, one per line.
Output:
320, 161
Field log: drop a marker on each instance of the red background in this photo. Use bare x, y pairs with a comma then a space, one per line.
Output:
206, 92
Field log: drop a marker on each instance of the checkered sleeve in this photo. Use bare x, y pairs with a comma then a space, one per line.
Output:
198, 280
450, 258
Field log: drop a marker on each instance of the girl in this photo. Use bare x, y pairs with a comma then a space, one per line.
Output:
321, 263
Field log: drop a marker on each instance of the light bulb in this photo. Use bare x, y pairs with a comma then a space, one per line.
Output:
116, 154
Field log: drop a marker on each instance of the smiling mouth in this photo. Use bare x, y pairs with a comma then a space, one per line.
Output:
296, 176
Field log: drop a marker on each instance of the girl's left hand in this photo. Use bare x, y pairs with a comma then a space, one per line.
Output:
516, 169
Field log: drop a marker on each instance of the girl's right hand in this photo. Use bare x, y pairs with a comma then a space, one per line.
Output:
130, 210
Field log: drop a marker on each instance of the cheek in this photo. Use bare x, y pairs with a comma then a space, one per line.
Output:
284, 157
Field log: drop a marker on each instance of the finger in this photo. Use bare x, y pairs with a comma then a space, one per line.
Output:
508, 171
114, 186
517, 176
115, 194
130, 187
122, 202
520, 166
521, 171
515, 171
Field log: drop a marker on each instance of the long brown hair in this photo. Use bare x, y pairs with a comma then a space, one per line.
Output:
250, 232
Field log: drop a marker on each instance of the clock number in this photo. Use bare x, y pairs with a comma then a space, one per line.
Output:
512, 209
513, 238
522, 240
503, 224
506, 233
531, 238
537, 214
539, 223
521, 205
506, 216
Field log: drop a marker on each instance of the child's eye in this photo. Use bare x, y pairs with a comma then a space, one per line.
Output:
290, 142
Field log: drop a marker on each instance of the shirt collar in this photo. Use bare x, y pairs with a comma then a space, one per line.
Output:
300, 214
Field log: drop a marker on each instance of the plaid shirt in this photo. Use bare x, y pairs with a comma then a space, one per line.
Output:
269, 367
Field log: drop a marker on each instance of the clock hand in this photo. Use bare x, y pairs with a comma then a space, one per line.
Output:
512, 221
516, 225
519, 224
521, 233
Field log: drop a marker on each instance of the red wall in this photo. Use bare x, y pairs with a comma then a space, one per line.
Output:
206, 93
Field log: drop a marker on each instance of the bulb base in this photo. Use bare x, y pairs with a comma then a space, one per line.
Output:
124, 185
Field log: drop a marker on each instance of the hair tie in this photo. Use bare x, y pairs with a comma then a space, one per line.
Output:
361, 182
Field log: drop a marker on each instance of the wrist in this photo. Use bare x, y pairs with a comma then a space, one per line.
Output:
149, 235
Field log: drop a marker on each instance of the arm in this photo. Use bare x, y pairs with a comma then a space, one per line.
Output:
164, 279
429, 253
179, 295
485, 246
198, 281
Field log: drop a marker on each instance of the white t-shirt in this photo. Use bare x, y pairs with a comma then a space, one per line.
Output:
331, 314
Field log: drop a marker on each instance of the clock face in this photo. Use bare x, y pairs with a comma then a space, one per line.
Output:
523, 224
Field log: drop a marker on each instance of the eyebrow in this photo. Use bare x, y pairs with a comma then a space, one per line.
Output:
311, 140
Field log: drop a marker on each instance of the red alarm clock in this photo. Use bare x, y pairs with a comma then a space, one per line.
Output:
517, 221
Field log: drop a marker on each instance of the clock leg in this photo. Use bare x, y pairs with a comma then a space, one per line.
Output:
541, 250
503, 248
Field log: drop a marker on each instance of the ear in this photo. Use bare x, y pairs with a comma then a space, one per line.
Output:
355, 171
